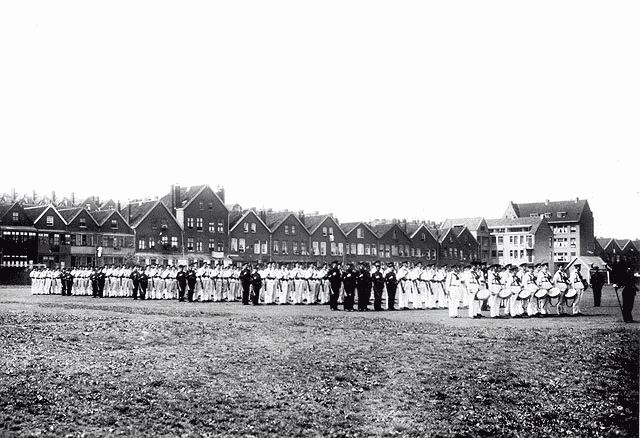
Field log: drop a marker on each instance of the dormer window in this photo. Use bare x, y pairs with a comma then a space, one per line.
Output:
562, 214
547, 215
83, 222
114, 224
360, 233
16, 216
245, 227
253, 227
49, 221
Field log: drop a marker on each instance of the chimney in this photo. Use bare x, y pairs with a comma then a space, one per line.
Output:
263, 216
129, 213
175, 198
172, 192
53, 197
13, 194
301, 217
577, 199
118, 206
73, 199
220, 193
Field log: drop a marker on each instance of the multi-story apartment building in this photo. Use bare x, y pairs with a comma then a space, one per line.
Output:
204, 219
457, 246
361, 243
116, 239
521, 240
18, 237
249, 236
477, 226
289, 237
393, 243
54, 242
424, 246
326, 239
571, 223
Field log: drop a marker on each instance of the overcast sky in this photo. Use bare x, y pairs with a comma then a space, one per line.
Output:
365, 109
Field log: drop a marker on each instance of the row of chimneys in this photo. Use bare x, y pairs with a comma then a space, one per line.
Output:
176, 195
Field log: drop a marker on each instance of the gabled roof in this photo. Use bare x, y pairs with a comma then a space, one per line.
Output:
444, 233
69, 214
91, 202
313, 222
276, 218
109, 205
472, 223
533, 222
188, 194
101, 216
382, 229
622, 243
237, 218
414, 227
4, 208
348, 227
140, 211
604, 242
573, 209
35, 213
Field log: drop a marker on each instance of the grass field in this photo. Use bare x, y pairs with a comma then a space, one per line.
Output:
77, 366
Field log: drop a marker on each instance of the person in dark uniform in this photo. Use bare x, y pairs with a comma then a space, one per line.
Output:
135, 281
349, 283
63, 282
597, 282
335, 281
69, 280
245, 281
101, 278
143, 281
256, 285
192, 279
392, 285
377, 279
629, 285
181, 279
363, 284
94, 282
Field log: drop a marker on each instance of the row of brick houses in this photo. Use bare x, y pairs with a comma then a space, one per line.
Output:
195, 224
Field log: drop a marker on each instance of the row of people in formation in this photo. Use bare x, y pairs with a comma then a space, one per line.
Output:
517, 290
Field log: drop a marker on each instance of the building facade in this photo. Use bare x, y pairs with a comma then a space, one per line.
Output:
478, 228
521, 240
361, 243
249, 237
326, 239
18, 237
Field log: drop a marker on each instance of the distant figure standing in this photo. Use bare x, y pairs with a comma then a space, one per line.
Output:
391, 282
245, 281
628, 283
349, 283
597, 282
256, 284
335, 281
181, 279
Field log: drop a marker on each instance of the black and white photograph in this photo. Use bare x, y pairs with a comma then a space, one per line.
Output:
319, 219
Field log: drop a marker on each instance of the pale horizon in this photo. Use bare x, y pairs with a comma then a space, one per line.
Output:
363, 109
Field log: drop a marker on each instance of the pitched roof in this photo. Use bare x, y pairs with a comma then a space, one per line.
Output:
443, 233
33, 213
472, 223
622, 243
101, 216
312, 222
4, 208
381, 229
275, 218
91, 202
572, 208
234, 217
188, 194
139, 211
604, 242
109, 205
533, 222
69, 214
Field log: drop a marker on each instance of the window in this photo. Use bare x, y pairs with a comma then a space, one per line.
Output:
212, 227
141, 244
293, 229
15, 216
360, 233
286, 229
573, 228
220, 247
330, 231
114, 224
284, 247
165, 240
572, 242
201, 205
500, 240
303, 248
190, 223
367, 249
253, 227
500, 253
511, 240
511, 253
562, 214
245, 227
152, 242
49, 221
395, 234
547, 215
199, 225
324, 231
210, 205
494, 253
433, 254
264, 247
413, 252
256, 247
423, 237
276, 248
533, 215
190, 244
354, 251
323, 248
241, 246
334, 249
212, 245
294, 246
360, 249
387, 251
174, 242
220, 227
522, 253
374, 249
315, 247
394, 250
340, 249
199, 246
82, 223
234, 244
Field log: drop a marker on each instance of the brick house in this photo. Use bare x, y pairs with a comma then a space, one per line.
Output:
18, 237
361, 243
571, 222
326, 239
204, 219
249, 237
157, 235
477, 226
393, 243
289, 237
54, 243
469, 247
84, 232
424, 246
116, 237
